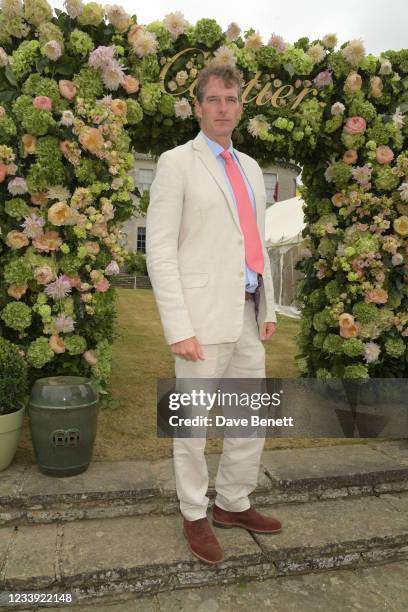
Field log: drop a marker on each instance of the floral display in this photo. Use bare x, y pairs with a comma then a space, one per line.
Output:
81, 90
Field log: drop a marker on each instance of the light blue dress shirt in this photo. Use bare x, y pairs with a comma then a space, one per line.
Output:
251, 277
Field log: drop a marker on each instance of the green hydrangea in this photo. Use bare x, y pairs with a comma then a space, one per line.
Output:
339, 65
385, 180
268, 57
324, 206
302, 364
36, 85
327, 247
319, 227
395, 347
17, 208
378, 132
47, 150
87, 171
48, 31
150, 94
356, 370
75, 344
353, 347
283, 124
162, 35
246, 59
37, 11
21, 105
366, 243
37, 121
92, 14
322, 320
333, 290
341, 173
24, 58
301, 63
323, 374
316, 299
333, 344
101, 371
70, 264
16, 315
207, 32
43, 175
7, 129
365, 313
17, 271
39, 352
166, 105
146, 69
80, 43
369, 64
362, 108
89, 84
333, 124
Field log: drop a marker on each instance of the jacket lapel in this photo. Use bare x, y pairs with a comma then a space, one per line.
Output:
210, 162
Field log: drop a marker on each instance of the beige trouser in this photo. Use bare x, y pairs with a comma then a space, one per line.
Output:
238, 468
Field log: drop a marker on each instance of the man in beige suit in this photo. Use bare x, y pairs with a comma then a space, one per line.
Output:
215, 308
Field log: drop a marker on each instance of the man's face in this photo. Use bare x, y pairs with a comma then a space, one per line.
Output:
220, 110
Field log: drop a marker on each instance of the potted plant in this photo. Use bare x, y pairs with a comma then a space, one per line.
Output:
13, 396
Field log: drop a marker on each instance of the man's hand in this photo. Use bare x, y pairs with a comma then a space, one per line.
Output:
268, 329
189, 349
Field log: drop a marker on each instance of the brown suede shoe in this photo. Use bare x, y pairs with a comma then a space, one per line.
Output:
248, 519
202, 541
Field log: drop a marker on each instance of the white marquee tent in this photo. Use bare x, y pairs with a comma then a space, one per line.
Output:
284, 222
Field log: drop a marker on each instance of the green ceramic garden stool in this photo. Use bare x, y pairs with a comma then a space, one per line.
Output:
63, 416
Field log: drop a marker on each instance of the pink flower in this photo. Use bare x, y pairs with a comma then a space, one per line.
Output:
90, 357
64, 324
355, 126
60, 288
3, 172
112, 268
323, 79
350, 156
67, 89
384, 154
102, 286
17, 186
43, 103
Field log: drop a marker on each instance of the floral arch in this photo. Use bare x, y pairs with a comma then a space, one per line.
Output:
81, 89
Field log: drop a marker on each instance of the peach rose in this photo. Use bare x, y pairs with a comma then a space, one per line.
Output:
401, 225
56, 344
377, 296
16, 239
350, 332
44, 275
92, 247
91, 139
90, 357
49, 241
43, 103
99, 229
3, 172
102, 286
130, 84
355, 126
29, 143
39, 199
133, 33
339, 199
353, 83
119, 107
384, 154
376, 87
17, 291
11, 169
346, 319
350, 156
59, 214
67, 89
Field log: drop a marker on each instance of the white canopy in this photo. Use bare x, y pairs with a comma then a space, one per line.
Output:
284, 222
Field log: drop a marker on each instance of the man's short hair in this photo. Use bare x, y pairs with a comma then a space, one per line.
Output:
229, 75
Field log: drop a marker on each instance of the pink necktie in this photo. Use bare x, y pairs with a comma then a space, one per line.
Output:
253, 248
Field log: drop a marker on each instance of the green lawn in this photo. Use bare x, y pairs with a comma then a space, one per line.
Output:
127, 429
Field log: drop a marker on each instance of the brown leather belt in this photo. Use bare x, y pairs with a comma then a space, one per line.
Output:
249, 296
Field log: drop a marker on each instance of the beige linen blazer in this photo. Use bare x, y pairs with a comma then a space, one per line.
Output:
195, 247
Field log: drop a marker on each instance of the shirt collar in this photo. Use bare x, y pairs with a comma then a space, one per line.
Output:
215, 147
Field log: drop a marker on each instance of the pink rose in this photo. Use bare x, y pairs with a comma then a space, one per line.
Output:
90, 357
355, 126
130, 84
102, 286
350, 156
384, 154
67, 89
43, 102
3, 172
56, 344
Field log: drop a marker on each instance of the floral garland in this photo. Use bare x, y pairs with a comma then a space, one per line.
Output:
80, 90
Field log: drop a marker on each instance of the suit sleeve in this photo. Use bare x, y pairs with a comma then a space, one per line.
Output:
270, 314
163, 222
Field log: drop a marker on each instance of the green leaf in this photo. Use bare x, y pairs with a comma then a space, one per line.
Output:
289, 69
10, 76
7, 95
67, 68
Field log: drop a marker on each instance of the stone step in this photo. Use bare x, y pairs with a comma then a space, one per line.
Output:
126, 488
105, 560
